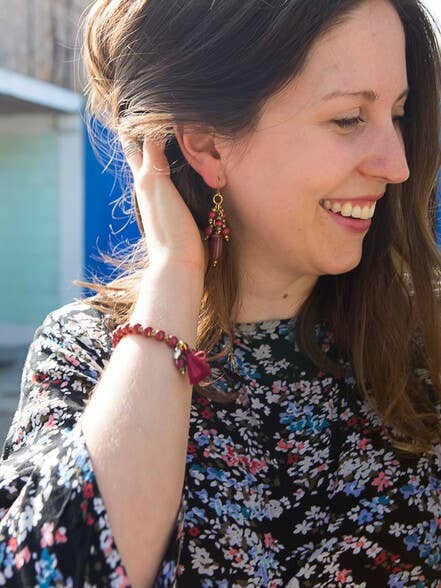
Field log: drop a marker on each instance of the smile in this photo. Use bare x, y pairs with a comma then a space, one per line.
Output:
364, 210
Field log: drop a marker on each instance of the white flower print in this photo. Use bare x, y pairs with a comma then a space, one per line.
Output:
307, 571
24, 523
304, 527
262, 352
202, 561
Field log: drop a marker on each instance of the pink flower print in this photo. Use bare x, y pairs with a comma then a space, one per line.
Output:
292, 458
362, 444
381, 558
12, 543
277, 388
107, 545
22, 557
88, 490
381, 482
284, 445
47, 534
342, 576
72, 360
269, 539
257, 465
230, 458
245, 460
60, 535
207, 414
235, 552
191, 448
124, 581
49, 423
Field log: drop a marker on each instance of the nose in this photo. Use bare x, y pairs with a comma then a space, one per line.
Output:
386, 158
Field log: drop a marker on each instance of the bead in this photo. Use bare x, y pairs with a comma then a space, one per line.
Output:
198, 369
226, 231
208, 230
212, 214
215, 246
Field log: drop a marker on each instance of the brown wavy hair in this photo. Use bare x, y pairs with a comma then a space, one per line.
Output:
153, 64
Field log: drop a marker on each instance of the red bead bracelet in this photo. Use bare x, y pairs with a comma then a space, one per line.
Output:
185, 359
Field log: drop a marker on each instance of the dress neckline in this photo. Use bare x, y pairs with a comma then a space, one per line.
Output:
264, 326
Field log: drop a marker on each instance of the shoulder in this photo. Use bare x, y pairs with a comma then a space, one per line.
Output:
76, 316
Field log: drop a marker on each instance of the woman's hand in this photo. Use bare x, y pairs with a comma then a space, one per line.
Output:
171, 232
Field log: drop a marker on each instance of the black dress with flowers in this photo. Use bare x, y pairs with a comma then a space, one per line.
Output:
294, 484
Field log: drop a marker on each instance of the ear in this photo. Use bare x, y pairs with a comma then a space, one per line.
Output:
203, 153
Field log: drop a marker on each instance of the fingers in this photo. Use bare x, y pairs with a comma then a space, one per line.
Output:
148, 157
133, 152
154, 159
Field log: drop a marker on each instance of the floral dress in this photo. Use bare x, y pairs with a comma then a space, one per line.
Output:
293, 484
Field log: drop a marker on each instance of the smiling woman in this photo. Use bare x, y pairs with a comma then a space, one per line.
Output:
339, 142
311, 455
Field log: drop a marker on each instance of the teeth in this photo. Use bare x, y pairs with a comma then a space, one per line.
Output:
347, 209
356, 211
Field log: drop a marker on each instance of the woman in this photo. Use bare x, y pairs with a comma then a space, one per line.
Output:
284, 158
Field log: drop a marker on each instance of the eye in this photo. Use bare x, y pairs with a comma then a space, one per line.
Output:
346, 123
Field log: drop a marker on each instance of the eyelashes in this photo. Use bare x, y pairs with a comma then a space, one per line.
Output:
348, 123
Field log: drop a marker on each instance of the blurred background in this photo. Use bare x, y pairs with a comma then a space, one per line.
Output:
59, 206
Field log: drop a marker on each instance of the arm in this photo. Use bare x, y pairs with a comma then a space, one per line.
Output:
136, 424
54, 524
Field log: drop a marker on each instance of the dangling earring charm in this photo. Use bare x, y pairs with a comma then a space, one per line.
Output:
217, 229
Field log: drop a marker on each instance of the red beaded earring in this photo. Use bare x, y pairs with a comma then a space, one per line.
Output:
217, 229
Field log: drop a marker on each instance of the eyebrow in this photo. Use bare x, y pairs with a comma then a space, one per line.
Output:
368, 95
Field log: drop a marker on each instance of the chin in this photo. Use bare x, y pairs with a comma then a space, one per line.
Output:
342, 266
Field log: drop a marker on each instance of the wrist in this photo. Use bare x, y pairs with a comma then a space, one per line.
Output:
169, 299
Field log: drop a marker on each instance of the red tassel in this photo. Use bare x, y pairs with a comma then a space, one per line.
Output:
197, 368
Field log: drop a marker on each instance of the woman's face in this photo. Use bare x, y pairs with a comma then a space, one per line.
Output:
300, 157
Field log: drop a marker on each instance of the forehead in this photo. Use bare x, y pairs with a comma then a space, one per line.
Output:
367, 51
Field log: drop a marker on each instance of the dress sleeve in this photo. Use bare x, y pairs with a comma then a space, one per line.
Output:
54, 528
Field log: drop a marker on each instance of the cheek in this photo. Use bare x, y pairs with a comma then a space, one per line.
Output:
280, 181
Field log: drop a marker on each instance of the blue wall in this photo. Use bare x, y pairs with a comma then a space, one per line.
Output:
107, 226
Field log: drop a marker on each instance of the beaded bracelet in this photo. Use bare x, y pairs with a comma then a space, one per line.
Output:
185, 359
